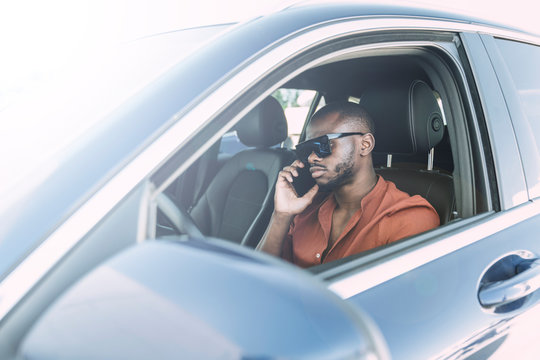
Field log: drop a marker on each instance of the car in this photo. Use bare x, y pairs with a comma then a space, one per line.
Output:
132, 233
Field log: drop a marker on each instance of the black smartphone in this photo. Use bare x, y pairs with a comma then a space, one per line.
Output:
304, 181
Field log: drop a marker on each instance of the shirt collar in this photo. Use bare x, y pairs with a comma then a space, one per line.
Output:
375, 195
329, 204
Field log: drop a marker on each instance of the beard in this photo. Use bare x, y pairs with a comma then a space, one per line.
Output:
344, 174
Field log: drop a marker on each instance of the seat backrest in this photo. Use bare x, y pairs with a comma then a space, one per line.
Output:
411, 122
238, 203
436, 188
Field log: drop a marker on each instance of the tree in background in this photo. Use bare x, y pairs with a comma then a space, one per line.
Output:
287, 97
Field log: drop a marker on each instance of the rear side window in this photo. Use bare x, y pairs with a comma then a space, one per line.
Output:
523, 63
521, 85
296, 104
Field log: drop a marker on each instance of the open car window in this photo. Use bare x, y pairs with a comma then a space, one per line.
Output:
454, 170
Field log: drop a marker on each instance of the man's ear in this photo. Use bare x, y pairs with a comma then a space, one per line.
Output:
367, 143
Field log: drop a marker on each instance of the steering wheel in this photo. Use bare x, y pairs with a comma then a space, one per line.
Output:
179, 218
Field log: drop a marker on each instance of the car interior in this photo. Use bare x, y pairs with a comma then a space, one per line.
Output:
423, 145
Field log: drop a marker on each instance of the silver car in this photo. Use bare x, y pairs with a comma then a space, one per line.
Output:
133, 235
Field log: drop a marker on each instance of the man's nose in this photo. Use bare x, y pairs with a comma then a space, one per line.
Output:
313, 157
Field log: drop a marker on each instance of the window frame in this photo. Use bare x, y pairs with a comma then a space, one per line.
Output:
463, 114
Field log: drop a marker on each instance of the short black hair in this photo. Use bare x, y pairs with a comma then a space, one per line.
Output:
349, 112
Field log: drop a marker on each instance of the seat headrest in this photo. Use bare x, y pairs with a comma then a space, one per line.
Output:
409, 114
264, 126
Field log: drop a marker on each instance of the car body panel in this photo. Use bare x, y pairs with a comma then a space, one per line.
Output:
143, 293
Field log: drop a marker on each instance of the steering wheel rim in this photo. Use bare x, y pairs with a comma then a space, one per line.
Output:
179, 218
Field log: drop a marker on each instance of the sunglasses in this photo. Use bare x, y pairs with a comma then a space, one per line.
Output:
319, 145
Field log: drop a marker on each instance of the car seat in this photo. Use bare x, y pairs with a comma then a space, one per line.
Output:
238, 202
408, 121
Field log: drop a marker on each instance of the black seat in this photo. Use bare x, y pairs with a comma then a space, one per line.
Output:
408, 121
238, 203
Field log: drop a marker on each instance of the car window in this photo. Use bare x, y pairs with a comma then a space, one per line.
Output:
522, 60
106, 79
296, 104
521, 86
453, 185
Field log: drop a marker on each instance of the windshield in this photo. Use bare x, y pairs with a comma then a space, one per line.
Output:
36, 125
39, 131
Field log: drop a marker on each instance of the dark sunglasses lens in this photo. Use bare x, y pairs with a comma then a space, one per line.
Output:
318, 145
323, 147
303, 151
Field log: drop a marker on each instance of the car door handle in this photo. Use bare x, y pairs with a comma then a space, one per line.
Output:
503, 292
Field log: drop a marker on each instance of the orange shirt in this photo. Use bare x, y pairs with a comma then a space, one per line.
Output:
386, 214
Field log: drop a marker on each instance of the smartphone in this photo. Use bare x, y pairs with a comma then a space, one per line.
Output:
304, 181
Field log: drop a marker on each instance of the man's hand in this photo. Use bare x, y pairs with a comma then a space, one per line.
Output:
286, 200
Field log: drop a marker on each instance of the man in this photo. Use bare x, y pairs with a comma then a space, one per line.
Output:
350, 208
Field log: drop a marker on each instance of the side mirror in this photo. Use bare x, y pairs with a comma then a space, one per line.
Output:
198, 299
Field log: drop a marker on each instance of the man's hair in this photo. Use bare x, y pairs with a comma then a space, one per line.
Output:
349, 112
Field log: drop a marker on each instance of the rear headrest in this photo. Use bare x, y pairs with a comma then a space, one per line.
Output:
408, 114
264, 126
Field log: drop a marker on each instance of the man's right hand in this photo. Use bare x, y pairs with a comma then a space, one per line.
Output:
286, 200
287, 204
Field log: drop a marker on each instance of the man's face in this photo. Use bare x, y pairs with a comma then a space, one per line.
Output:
337, 169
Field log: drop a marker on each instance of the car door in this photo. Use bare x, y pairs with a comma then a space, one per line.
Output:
515, 62
466, 291
442, 294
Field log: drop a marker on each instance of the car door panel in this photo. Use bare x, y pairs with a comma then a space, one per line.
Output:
428, 311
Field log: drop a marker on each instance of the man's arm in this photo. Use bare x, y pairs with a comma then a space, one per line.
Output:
412, 221
287, 205
272, 241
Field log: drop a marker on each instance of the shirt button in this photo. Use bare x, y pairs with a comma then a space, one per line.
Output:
318, 255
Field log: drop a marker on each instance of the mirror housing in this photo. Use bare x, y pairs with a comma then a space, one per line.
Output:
200, 299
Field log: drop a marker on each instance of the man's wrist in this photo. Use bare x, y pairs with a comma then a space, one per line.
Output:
283, 216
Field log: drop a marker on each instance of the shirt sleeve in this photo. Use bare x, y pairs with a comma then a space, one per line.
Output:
409, 222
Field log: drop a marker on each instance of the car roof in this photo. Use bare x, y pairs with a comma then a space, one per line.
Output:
404, 8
